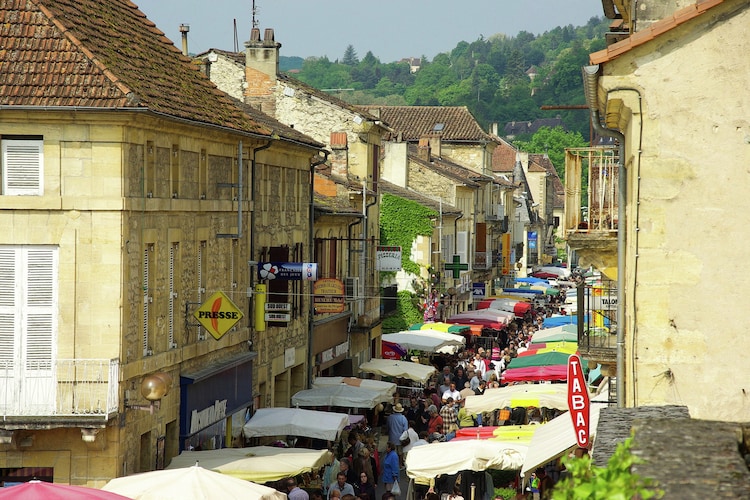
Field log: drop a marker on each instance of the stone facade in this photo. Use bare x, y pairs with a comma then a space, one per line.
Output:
686, 152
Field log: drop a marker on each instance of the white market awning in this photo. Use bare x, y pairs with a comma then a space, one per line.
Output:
296, 422
399, 369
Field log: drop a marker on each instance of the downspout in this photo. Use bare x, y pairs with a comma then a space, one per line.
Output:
251, 233
310, 244
591, 84
364, 259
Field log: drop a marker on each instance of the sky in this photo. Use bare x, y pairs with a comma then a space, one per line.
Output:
390, 29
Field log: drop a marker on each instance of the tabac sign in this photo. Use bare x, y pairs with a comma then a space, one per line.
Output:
578, 400
218, 314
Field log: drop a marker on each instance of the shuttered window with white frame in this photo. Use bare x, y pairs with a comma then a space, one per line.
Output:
22, 167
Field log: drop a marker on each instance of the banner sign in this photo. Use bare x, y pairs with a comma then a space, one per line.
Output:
289, 271
392, 350
388, 258
505, 250
578, 400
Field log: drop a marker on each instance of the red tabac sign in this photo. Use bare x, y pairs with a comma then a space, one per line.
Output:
578, 400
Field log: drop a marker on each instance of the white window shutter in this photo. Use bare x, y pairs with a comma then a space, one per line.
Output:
41, 303
462, 246
7, 306
22, 167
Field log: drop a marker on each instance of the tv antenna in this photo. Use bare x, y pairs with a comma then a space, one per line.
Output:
255, 11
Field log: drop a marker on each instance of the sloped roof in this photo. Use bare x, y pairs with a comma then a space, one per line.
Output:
410, 194
293, 82
459, 173
656, 29
503, 156
106, 55
414, 122
557, 185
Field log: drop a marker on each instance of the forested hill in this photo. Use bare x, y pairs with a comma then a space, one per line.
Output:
491, 76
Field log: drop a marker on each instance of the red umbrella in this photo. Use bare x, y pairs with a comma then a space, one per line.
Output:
41, 490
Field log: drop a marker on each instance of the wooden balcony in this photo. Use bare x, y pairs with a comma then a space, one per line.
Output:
591, 205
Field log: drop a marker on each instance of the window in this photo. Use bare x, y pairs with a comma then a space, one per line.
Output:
22, 170
28, 326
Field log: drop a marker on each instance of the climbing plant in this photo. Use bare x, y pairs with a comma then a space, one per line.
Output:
401, 221
407, 313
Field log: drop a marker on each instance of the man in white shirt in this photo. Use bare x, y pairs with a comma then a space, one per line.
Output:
451, 393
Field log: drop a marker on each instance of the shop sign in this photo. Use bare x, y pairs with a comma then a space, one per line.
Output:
328, 296
218, 314
388, 258
578, 400
288, 271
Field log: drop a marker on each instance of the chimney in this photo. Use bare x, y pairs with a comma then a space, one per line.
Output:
261, 70
184, 28
263, 55
423, 149
493, 128
435, 145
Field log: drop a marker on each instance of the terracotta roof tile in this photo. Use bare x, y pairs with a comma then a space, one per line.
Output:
416, 121
103, 54
503, 157
656, 29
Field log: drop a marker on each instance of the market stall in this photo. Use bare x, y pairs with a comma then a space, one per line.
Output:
296, 422
259, 464
342, 395
398, 369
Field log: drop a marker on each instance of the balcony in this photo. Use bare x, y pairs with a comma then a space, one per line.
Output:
62, 392
591, 205
597, 313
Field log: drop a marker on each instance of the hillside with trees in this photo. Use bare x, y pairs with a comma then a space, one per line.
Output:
491, 76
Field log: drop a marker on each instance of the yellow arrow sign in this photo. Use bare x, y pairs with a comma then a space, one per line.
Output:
218, 314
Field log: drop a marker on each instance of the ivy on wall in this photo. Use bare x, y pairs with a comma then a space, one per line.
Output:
401, 221
407, 313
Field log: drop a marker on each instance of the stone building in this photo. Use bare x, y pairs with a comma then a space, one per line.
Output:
132, 193
668, 93
353, 137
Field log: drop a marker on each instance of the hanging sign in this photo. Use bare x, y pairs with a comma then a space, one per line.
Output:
388, 258
288, 271
578, 400
218, 314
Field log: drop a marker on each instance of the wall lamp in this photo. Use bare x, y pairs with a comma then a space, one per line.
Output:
153, 387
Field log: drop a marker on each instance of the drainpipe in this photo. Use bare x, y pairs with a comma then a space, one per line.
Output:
252, 263
590, 84
364, 257
310, 244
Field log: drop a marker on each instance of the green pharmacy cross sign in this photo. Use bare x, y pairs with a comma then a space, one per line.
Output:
456, 267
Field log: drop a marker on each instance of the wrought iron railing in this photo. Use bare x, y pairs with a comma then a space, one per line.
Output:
591, 189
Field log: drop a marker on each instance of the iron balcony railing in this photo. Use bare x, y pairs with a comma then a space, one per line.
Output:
599, 316
60, 388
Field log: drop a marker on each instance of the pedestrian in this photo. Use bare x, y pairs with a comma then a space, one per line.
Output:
294, 492
534, 486
408, 438
341, 487
396, 424
345, 467
450, 419
391, 466
465, 419
435, 425
452, 392
365, 486
414, 413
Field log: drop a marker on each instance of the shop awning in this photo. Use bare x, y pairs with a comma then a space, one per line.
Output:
398, 369
296, 422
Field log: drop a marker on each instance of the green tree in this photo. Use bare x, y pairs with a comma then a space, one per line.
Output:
350, 56
613, 482
553, 142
